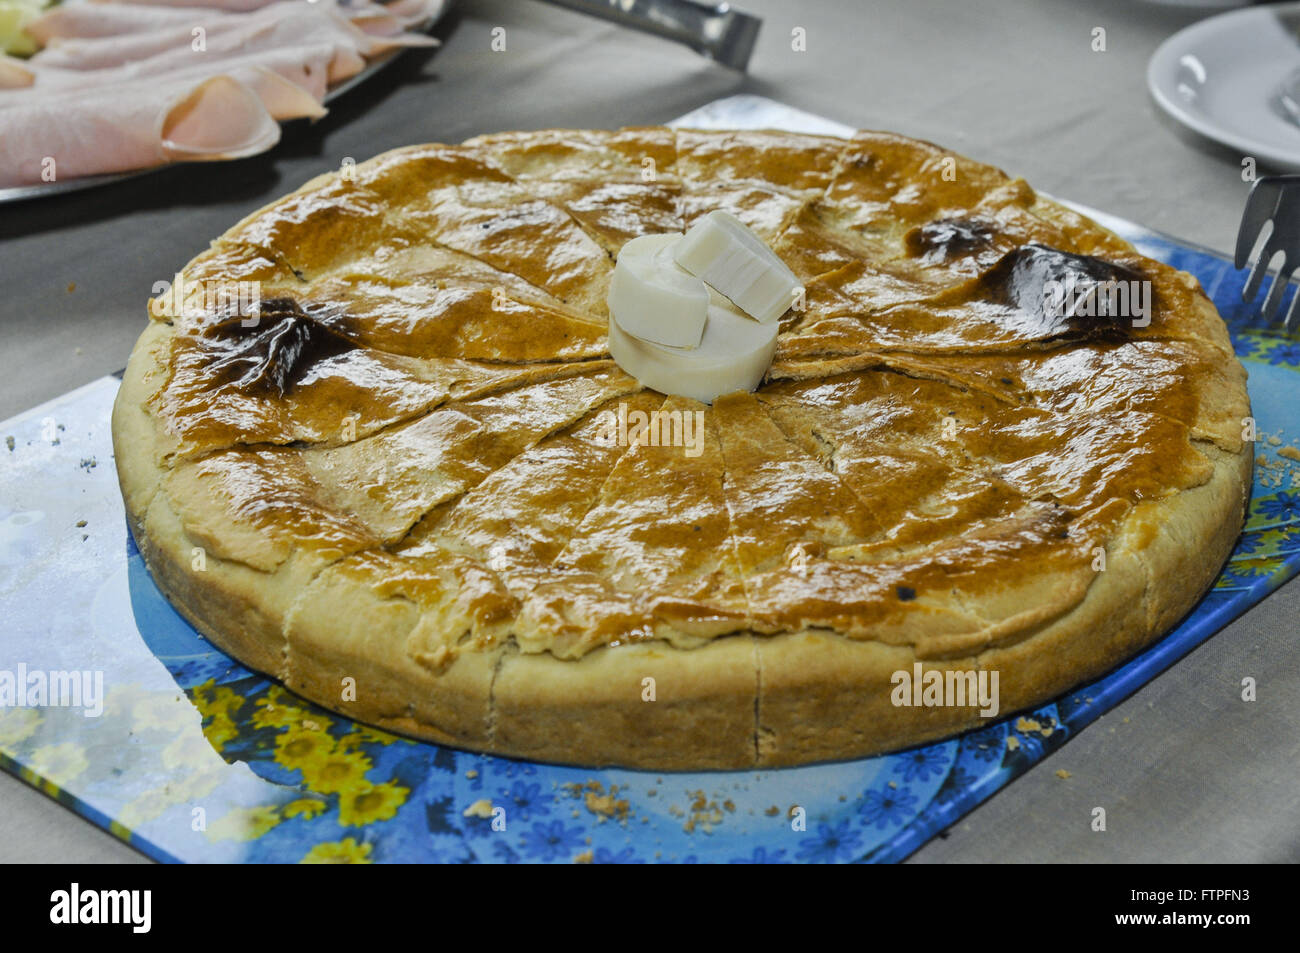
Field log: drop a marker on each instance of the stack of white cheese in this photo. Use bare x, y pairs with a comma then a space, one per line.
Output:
696, 315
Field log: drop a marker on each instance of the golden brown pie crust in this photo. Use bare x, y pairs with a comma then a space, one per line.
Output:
395, 493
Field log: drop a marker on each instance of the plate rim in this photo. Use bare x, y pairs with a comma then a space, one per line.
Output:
1165, 58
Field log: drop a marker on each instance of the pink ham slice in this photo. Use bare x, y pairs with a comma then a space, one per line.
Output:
93, 131
15, 73
231, 6
283, 98
106, 19
411, 12
391, 18
123, 20
120, 87
312, 69
279, 25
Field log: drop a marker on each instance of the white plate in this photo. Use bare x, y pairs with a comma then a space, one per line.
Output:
1200, 5
373, 66
1220, 78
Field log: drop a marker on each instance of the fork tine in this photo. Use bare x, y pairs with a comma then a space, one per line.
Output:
1275, 293
1257, 273
1261, 204
1289, 322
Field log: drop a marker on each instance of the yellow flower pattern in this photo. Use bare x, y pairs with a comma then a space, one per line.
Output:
58, 764
17, 725
189, 749
337, 772
220, 731
302, 749
120, 700
161, 711
147, 806
346, 851
269, 714
330, 768
153, 803
278, 709
212, 699
305, 807
244, 823
378, 736
366, 805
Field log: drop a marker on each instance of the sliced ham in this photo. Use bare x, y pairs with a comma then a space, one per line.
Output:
106, 19
100, 52
290, 86
120, 86
280, 25
313, 68
15, 73
230, 6
132, 19
392, 18
374, 20
283, 98
411, 12
97, 131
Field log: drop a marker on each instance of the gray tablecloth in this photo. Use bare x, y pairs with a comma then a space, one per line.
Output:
1185, 769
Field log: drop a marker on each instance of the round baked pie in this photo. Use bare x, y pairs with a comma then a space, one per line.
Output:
410, 483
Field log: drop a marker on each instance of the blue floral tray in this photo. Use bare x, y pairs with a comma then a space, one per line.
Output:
195, 758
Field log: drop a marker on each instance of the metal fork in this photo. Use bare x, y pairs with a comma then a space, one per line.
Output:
1276, 199
716, 30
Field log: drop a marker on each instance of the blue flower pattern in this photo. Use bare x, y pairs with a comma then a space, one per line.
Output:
1282, 506
552, 841
625, 856
987, 744
920, 764
527, 799
888, 807
762, 855
1285, 354
831, 844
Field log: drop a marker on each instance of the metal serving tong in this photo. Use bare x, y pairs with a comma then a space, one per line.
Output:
1273, 199
718, 32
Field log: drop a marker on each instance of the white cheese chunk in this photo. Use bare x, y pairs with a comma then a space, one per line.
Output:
726, 254
733, 354
656, 300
